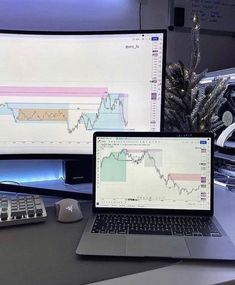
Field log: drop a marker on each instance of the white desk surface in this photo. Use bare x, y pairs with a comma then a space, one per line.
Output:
193, 272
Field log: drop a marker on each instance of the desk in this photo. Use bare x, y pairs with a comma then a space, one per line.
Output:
45, 253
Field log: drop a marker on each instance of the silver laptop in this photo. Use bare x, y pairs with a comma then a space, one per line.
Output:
153, 196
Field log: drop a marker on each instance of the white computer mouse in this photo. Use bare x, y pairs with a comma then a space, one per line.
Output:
68, 210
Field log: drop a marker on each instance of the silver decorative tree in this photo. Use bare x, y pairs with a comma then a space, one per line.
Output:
186, 109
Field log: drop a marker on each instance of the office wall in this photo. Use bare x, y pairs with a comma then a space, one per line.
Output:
69, 14
217, 51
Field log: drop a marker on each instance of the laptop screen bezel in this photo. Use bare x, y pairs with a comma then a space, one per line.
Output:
209, 212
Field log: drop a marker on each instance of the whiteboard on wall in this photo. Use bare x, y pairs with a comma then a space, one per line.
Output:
215, 15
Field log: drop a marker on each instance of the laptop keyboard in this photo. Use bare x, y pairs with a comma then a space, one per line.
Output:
156, 225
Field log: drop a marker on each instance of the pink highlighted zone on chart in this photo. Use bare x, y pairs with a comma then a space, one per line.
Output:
184, 176
54, 91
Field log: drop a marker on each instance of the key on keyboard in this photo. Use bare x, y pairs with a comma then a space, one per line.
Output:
21, 210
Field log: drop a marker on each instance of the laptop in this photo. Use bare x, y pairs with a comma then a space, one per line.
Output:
153, 196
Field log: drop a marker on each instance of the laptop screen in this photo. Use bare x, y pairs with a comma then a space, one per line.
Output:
153, 172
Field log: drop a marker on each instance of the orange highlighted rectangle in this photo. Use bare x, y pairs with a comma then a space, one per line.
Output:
42, 115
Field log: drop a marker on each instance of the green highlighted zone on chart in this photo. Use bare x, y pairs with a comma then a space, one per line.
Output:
116, 162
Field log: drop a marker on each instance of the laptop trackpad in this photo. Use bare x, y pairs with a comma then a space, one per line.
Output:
159, 246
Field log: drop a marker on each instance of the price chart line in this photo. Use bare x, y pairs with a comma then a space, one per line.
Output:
146, 153
108, 105
111, 111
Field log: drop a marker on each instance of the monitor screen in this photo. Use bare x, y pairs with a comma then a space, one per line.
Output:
56, 89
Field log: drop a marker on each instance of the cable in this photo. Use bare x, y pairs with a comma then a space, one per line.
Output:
140, 15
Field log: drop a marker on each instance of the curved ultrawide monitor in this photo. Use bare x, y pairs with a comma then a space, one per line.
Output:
56, 89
